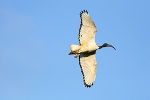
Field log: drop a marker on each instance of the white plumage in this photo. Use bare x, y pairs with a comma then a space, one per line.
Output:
87, 49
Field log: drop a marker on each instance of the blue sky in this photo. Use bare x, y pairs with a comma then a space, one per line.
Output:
35, 39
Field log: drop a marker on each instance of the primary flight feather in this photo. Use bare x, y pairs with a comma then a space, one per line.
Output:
87, 48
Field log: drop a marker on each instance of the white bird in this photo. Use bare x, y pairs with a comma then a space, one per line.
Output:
87, 49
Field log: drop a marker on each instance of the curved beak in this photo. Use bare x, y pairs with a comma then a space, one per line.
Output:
107, 45
111, 46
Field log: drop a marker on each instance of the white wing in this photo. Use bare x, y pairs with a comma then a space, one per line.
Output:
87, 28
88, 66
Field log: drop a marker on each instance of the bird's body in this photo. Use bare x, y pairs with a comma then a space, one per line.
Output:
87, 49
84, 48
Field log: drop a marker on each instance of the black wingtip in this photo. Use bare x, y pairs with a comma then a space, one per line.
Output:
88, 86
83, 11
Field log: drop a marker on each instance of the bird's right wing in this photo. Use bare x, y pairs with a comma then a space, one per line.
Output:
88, 66
87, 28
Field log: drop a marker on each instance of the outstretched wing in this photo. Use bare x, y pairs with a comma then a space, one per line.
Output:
87, 28
88, 66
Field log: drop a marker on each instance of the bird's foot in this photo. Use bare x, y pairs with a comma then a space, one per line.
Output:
74, 54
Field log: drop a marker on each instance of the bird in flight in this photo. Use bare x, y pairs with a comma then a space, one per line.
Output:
86, 51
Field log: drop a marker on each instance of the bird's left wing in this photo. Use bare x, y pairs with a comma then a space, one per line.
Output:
87, 28
88, 66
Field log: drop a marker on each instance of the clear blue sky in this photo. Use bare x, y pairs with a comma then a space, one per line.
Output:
35, 39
